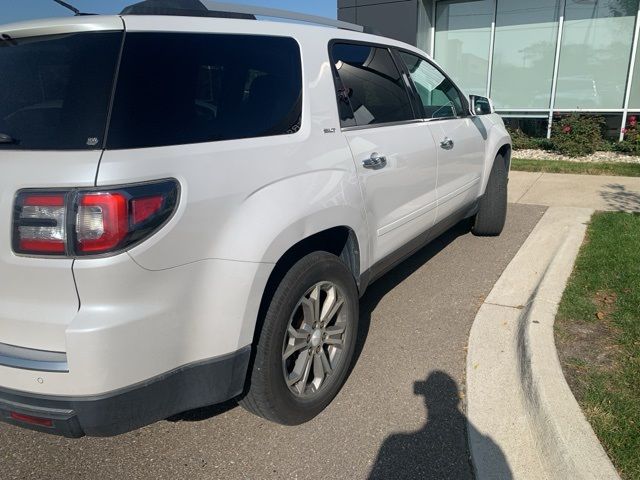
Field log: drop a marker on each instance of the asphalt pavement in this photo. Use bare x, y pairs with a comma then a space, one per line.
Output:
400, 414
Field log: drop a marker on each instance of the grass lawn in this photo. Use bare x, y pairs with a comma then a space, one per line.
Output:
587, 168
598, 335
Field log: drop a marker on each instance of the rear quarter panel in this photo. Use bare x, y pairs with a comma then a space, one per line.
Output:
250, 200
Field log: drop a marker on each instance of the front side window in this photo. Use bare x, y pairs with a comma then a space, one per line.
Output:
55, 90
370, 86
183, 88
439, 96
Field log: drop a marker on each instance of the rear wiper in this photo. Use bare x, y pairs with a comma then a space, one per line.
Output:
4, 139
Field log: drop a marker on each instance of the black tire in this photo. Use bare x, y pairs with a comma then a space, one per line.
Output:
267, 394
492, 209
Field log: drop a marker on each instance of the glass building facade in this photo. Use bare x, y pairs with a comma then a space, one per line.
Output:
534, 58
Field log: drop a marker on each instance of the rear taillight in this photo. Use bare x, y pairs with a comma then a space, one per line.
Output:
93, 221
41, 223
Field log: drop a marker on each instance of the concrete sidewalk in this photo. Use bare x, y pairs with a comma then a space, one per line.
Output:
598, 192
517, 395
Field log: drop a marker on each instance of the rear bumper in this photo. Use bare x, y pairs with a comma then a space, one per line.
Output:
185, 388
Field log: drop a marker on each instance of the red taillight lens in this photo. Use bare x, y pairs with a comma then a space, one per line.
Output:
101, 222
90, 222
41, 224
143, 208
41, 422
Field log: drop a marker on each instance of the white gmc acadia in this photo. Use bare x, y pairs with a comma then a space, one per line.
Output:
192, 202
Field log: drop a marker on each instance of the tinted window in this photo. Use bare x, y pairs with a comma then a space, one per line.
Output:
55, 90
177, 88
440, 98
371, 85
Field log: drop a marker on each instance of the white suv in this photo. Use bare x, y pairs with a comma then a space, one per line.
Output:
192, 205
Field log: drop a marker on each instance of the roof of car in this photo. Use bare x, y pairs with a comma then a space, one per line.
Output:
186, 23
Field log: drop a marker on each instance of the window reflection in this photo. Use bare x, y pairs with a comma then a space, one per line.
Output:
595, 52
463, 36
524, 53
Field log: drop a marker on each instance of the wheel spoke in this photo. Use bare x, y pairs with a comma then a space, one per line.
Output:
326, 364
335, 335
332, 306
335, 330
302, 332
314, 297
300, 374
318, 370
298, 344
309, 307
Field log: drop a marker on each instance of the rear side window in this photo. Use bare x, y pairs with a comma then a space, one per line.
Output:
370, 87
440, 98
182, 88
55, 90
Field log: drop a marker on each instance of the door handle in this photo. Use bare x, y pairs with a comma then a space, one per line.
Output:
375, 162
446, 144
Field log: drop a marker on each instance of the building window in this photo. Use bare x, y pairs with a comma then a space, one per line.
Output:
634, 101
463, 37
595, 51
524, 53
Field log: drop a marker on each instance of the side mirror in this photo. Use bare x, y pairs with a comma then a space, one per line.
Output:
480, 105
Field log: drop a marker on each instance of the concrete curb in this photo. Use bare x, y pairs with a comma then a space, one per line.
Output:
517, 396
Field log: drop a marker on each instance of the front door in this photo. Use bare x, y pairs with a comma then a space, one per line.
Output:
459, 137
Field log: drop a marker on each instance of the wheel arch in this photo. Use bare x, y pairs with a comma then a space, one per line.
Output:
498, 143
505, 152
341, 241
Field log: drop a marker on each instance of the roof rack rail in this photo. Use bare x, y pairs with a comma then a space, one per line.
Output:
216, 9
278, 13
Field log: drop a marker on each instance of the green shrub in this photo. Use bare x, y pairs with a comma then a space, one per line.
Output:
631, 142
522, 141
519, 139
577, 135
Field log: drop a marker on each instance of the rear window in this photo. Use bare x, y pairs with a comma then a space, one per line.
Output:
182, 88
55, 90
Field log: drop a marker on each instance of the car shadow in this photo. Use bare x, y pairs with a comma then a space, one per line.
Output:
618, 197
439, 449
385, 284
375, 292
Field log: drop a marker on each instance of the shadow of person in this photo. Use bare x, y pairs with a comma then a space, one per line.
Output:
439, 450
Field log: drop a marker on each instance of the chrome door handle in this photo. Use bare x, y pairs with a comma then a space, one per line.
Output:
375, 162
447, 143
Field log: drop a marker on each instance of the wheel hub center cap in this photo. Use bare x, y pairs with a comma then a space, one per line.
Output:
316, 338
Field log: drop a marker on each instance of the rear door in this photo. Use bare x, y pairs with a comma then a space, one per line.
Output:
55, 87
395, 159
459, 137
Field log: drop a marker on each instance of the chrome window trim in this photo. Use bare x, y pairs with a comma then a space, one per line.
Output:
378, 125
33, 359
404, 122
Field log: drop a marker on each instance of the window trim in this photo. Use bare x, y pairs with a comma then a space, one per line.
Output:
337, 81
466, 111
353, 128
